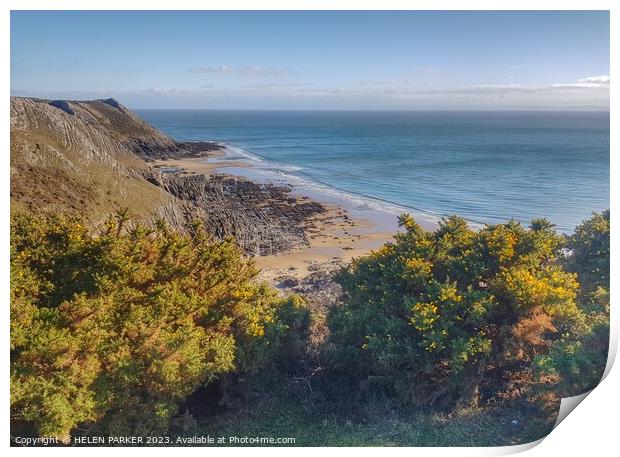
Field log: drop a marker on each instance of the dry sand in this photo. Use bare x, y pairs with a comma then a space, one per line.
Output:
333, 235
333, 238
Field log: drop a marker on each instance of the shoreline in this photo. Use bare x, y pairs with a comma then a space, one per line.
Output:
335, 237
238, 162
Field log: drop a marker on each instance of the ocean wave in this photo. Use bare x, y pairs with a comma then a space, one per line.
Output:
232, 152
364, 202
295, 176
237, 153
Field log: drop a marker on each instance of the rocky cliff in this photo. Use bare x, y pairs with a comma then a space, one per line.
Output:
90, 158
78, 158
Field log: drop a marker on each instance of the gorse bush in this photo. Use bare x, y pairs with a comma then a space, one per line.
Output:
456, 315
119, 327
576, 362
590, 250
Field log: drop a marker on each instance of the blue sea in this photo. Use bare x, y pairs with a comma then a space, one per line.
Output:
487, 166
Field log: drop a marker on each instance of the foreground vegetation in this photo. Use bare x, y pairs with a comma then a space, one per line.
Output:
460, 316
120, 327
453, 337
381, 423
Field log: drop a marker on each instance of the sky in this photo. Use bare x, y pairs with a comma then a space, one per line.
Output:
315, 59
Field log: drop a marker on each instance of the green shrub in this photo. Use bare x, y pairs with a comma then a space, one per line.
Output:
575, 365
589, 257
123, 325
455, 315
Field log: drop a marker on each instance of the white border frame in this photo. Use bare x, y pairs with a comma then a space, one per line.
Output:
591, 429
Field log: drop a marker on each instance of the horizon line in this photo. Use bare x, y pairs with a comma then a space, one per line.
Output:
586, 108
592, 109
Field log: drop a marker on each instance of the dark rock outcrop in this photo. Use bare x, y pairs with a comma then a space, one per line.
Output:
200, 148
62, 105
263, 218
113, 103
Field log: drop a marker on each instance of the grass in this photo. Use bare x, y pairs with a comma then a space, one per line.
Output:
49, 177
378, 423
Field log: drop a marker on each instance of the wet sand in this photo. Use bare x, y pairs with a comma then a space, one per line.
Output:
335, 235
335, 238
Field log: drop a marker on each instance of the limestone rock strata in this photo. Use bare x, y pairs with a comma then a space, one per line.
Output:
264, 219
90, 158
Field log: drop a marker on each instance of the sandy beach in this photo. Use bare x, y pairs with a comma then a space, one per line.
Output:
335, 236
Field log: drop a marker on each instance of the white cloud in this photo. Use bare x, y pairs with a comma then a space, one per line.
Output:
393, 82
218, 69
577, 85
257, 70
596, 87
267, 86
602, 79
591, 82
245, 70
585, 92
161, 91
